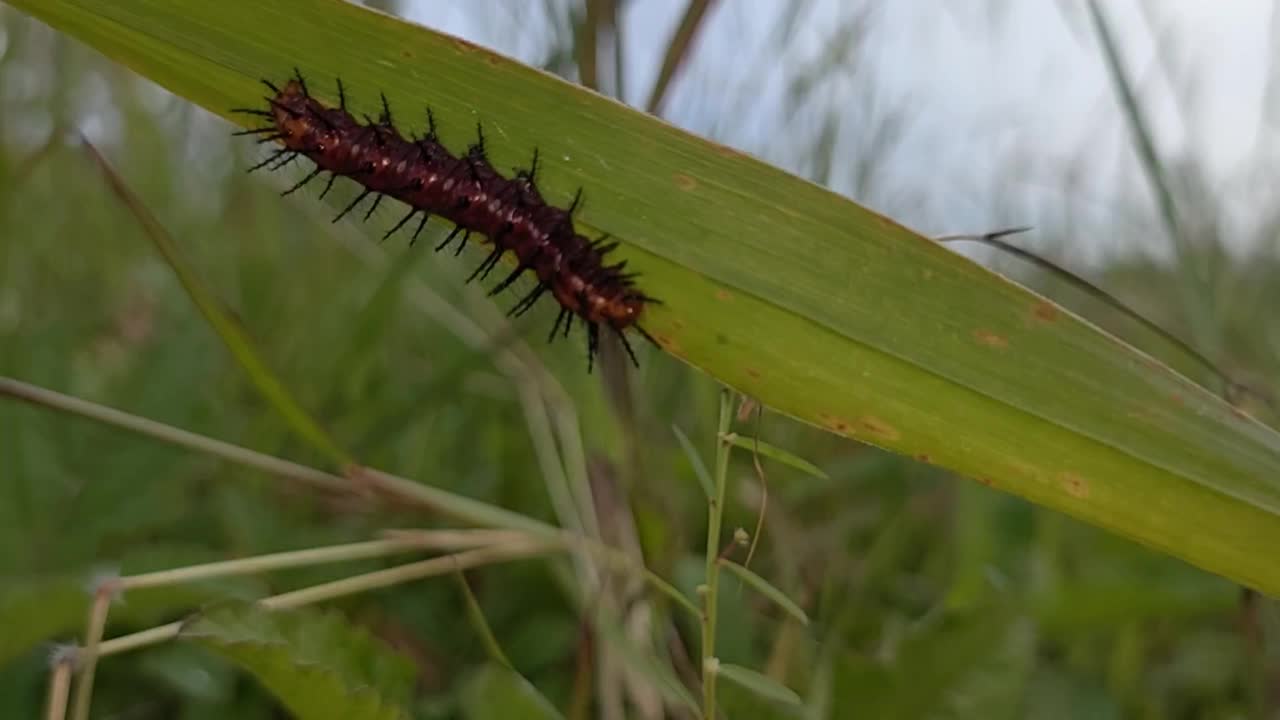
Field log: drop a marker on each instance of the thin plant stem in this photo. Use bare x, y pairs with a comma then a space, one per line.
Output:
265, 563
348, 586
575, 460
555, 478
461, 507
549, 460
711, 588
454, 539
59, 689
174, 436
619, 54
481, 625
405, 573
764, 489
1194, 288
395, 487
588, 46
238, 342
361, 479
677, 52
133, 641
102, 597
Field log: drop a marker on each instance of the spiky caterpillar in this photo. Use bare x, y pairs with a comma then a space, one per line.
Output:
508, 213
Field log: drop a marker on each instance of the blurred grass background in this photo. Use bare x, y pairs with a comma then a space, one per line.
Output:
932, 597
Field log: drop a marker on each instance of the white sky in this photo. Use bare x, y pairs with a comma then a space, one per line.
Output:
1001, 94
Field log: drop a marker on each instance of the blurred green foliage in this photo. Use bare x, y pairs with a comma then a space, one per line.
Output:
929, 597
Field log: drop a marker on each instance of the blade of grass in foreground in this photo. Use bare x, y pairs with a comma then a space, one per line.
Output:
818, 307
236, 340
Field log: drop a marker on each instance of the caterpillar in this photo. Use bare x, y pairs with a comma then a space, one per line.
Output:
508, 213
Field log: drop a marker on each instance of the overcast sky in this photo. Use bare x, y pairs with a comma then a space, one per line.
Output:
1001, 93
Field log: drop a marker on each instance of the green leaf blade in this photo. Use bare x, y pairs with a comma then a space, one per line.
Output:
760, 684
821, 309
495, 692
773, 452
764, 587
319, 667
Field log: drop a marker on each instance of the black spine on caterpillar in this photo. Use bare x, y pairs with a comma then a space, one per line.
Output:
508, 213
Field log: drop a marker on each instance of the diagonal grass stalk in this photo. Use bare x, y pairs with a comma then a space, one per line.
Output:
88, 657
711, 582
59, 686
390, 486
352, 585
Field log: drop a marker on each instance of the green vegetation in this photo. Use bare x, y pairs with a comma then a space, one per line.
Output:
484, 530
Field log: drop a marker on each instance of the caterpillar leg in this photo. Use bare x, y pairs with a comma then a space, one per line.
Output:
328, 186
485, 267
385, 119
530, 176
353, 204
270, 159
506, 282
627, 345
646, 336
376, 201
257, 131
453, 235
476, 156
528, 301
302, 82
593, 344
431, 127
564, 312
400, 224
421, 225
297, 186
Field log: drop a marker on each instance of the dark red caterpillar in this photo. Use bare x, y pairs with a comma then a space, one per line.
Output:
468, 191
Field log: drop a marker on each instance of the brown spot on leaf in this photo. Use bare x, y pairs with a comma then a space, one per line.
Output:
465, 46
833, 423
1045, 311
1176, 398
879, 428
924, 458
685, 182
985, 480
990, 339
724, 295
1076, 486
752, 372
